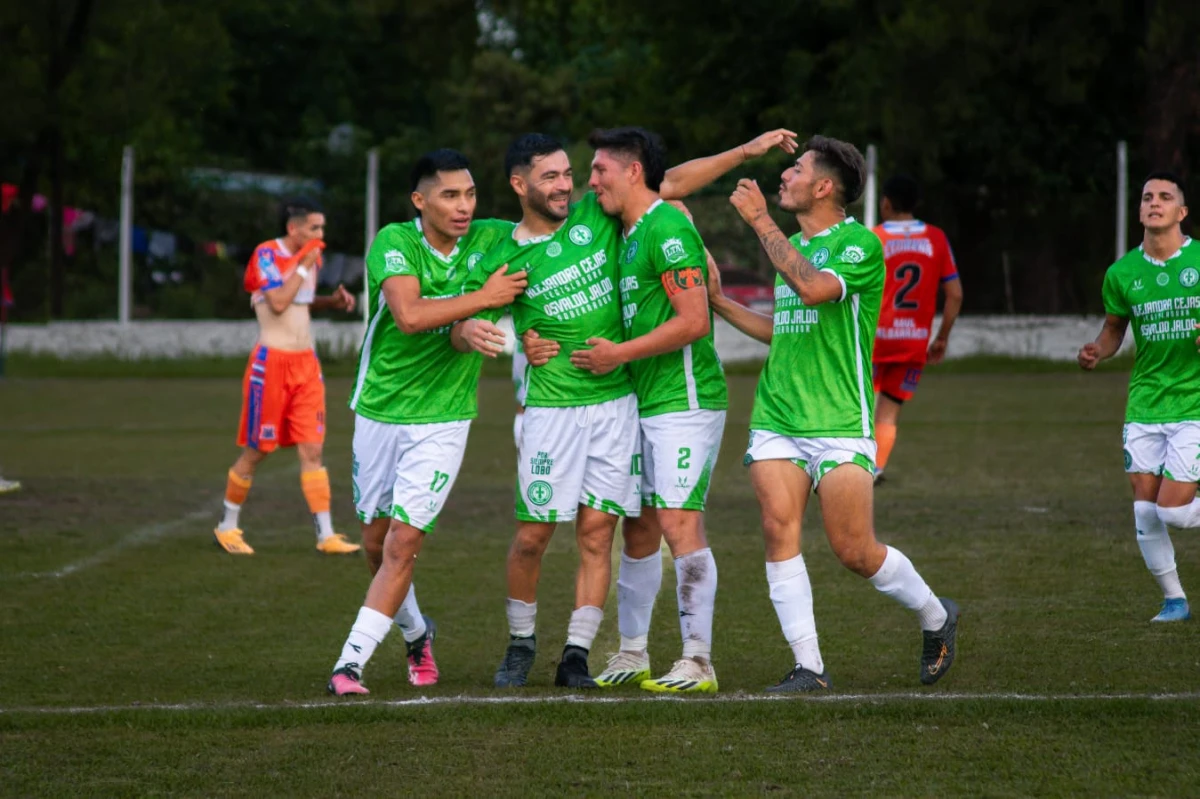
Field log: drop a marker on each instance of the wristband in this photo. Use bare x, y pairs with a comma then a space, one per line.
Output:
302, 271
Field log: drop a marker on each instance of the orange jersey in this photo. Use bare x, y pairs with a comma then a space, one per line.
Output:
918, 259
270, 266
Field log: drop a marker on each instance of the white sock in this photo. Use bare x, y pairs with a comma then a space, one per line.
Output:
1157, 550
522, 616
791, 594
585, 622
1184, 518
696, 590
408, 618
368, 632
230, 520
323, 521
638, 582
898, 579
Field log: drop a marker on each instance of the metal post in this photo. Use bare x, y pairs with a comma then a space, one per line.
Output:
870, 198
125, 279
1122, 200
372, 216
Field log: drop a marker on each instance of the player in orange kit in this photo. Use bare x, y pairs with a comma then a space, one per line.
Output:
283, 392
918, 260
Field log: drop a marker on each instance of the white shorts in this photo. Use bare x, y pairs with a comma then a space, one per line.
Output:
679, 452
569, 457
1169, 450
816, 456
406, 471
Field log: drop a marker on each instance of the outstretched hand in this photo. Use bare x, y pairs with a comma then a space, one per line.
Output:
759, 146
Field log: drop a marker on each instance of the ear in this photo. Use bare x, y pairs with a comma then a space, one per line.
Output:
518, 184
1183, 212
635, 171
418, 200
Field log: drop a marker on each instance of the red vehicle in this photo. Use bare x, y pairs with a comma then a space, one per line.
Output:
747, 288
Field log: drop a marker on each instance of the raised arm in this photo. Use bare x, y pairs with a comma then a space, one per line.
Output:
1106, 344
680, 181
811, 285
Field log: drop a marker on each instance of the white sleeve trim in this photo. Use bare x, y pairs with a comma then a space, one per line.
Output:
840, 280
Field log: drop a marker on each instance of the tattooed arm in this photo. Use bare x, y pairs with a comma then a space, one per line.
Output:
812, 285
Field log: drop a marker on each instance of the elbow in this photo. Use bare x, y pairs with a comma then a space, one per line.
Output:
277, 307
407, 324
701, 327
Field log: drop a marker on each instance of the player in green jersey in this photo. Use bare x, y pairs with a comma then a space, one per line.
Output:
680, 387
1157, 287
811, 428
414, 398
580, 432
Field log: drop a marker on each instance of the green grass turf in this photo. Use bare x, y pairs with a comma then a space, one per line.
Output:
1006, 491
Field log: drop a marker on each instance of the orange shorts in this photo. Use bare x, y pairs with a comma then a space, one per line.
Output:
898, 380
283, 400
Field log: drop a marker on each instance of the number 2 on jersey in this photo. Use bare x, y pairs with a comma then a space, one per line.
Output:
911, 274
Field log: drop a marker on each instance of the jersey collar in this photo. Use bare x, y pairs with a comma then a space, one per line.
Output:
904, 226
283, 250
446, 259
625, 236
1186, 241
804, 242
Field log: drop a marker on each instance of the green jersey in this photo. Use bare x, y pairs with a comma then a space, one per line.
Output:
817, 379
571, 297
419, 378
1161, 300
663, 241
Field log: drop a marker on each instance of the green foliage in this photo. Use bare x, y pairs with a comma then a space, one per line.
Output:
1007, 110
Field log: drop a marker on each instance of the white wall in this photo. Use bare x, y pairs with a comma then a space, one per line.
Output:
1052, 337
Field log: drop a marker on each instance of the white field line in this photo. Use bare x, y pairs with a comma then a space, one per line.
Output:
575, 699
144, 535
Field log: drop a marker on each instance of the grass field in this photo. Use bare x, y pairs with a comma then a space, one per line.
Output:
138, 659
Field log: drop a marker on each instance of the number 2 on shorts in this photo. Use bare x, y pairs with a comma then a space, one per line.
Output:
685, 458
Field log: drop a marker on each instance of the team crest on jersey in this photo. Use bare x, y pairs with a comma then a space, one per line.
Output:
631, 252
394, 262
473, 261
1163, 278
673, 251
580, 235
853, 254
554, 249
540, 492
1189, 277
819, 257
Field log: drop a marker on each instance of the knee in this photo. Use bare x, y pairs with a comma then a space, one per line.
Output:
641, 538
860, 559
373, 549
310, 456
528, 545
402, 544
595, 544
779, 527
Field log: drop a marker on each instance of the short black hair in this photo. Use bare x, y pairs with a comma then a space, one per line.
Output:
844, 160
297, 208
434, 161
638, 144
1168, 175
527, 147
903, 192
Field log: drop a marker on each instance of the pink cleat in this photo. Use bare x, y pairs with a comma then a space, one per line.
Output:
345, 682
422, 668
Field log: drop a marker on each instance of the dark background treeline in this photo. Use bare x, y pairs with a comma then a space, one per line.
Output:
1007, 110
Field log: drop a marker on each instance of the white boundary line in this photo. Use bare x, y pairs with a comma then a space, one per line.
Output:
574, 699
142, 535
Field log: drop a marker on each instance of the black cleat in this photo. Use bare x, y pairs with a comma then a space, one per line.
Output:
573, 669
801, 681
937, 653
518, 660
